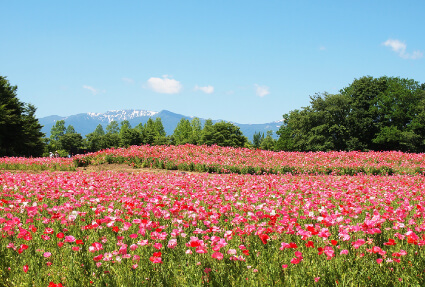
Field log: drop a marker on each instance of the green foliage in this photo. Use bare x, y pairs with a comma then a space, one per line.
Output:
65, 140
57, 130
183, 132
224, 134
71, 142
70, 130
112, 127
20, 131
206, 133
154, 133
370, 114
130, 137
257, 139
196, 126
268, 143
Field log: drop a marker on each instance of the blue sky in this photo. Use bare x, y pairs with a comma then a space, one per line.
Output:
242, 61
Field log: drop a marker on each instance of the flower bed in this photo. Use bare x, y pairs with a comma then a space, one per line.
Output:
174, 229
215, 159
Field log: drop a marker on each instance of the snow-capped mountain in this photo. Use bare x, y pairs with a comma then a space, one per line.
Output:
121, 115
87, 122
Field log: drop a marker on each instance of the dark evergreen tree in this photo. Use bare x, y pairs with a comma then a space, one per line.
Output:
20, 131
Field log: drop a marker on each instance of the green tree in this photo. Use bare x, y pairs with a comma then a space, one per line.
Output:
286, 136
363, 121
70, 130
196, 126
130, 137
159, 127
207, 131
320, 126
99, 130
268, 143
34, 143
95, 141
72, 143
370, 114
397, 109
149, 132
20, 131
257, 139
112, 128
225, 134
182, 133
110, 140
57, 130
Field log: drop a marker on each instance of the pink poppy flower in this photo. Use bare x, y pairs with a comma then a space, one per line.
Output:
217, 255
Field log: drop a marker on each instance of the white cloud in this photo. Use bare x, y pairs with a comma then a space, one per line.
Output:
93, 90
206, 89
261, 91
322, 48
400, 48
164, 85
416, 55
128, 80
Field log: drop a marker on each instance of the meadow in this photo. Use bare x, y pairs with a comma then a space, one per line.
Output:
235, 217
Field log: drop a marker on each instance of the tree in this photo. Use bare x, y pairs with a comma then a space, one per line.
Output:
398, 107
363, 120
112, 128
268, 143
70, 130
130, 137
318, 127
154, 133
57, 130
20, 131
196, 126
286, 136
206, 134
71, 143
257, 139
370, 114
182, 133
99, 130
95, 141
110, 140
34, 144
225, 134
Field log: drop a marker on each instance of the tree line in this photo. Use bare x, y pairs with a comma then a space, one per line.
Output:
65, 140
386, 113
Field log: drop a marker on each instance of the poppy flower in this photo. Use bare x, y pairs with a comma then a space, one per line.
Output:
264, 238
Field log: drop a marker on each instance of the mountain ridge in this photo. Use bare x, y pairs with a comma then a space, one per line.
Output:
85, 123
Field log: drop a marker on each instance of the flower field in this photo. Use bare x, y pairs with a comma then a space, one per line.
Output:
215, 159
74, 228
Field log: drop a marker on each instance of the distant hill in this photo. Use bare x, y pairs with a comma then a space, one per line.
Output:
87, 122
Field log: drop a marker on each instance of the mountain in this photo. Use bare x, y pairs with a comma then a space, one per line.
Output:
87, 122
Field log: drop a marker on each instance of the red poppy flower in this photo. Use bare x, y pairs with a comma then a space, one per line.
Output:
264, 238
310, 244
